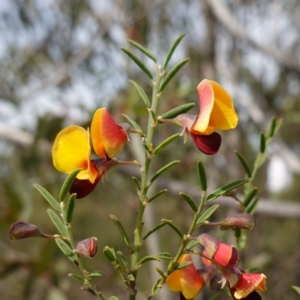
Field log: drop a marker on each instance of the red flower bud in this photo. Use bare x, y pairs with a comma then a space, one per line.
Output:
87, 247
242, 221
22, 230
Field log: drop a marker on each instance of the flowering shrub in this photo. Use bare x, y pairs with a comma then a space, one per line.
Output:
71, 154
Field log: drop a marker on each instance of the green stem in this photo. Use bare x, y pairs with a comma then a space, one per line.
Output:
78, 257
184, 242
138, 232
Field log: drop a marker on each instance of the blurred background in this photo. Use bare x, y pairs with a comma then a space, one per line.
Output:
60, 60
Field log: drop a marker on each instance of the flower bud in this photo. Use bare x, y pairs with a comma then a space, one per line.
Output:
110, 253
87, 247
22, 230
242, 221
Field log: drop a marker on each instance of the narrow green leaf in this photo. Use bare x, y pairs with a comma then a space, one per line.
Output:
133, 123
225, 189
162, 274
192, 244
171, 50
76, 277
296, 289
142, 49
121, 230
138, 62
113, 298
262, 144
163, 169
65, 249
67, 184
173, 113
273, 128
70, 208
51, 200
207, 213
157, 195
148, 258
183, 265
190, 201
153, 230
251, 209
166, 142
142, 93
156, 287
173, 226
244, 164
172, 73
202, 175
95, 274
136, 182
110, 253
165, 255
57, 222
123, 259
249, 196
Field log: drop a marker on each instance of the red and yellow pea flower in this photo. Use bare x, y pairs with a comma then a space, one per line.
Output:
216, 112
72, 150
225, 258
187, 280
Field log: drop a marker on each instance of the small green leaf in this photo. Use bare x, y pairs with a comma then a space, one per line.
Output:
142, 93
51, 200
153, 230
70, 208
183, 265
148, 258
95, 274
260, 159
249, 196
166, 142
133, 123
157, 195
192, 244
130, 277
121, 230
190, 201
65, 249
162, 274
110, 253
262, 144
207, 213
244, 164
163, 169
67, 184
274, 126
76, 277
156, 287
57, 222
142, 49
296, 289
173, 113
165, 255
136, 182
113, 298
172, 73
225, 189
173, 226
123, 259
251, 209
138, 62
171, 50
202, 175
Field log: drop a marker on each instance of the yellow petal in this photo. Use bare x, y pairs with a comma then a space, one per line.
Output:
71, 151
223, 115
173, 281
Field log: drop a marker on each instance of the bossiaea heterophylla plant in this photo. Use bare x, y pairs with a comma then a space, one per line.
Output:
71, 154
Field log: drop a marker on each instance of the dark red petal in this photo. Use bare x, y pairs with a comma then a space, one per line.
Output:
208, 144
83, 187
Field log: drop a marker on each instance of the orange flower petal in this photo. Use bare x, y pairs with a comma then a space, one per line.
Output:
206, 103
248, 283
173, 281
108, 138
223, 115
190, 280
226, 256
71, 151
